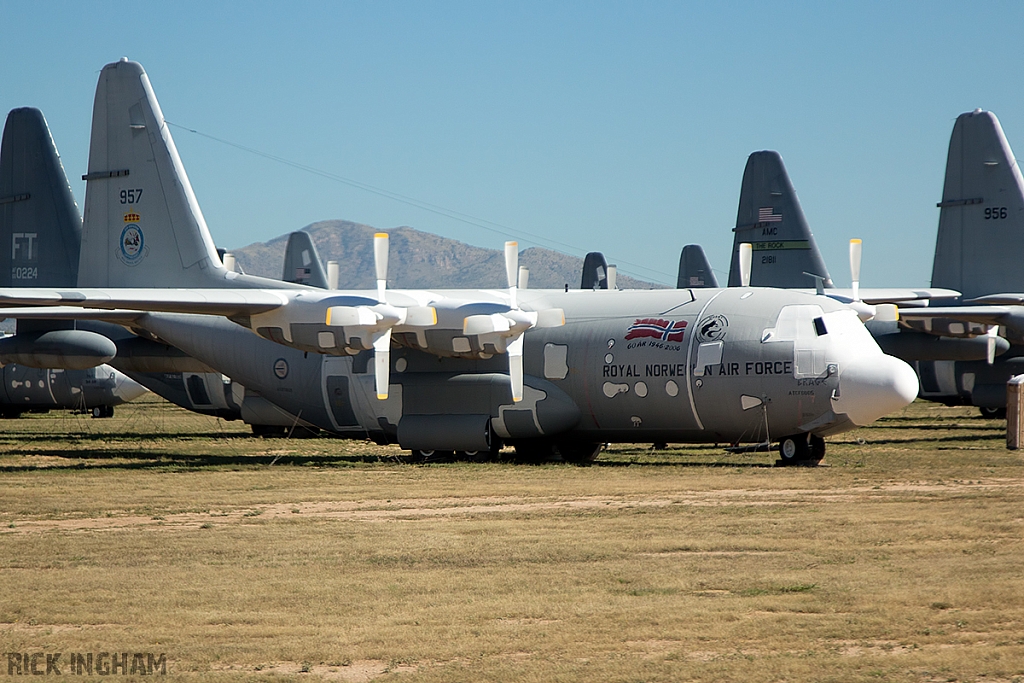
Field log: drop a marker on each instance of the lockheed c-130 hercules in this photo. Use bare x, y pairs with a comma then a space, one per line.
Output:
469, 369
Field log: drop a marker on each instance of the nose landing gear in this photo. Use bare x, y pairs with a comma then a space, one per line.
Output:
801, 449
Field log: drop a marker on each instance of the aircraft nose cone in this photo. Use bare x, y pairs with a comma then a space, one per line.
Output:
126, 388
872, 387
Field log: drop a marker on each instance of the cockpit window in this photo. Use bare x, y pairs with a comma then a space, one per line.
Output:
819, 327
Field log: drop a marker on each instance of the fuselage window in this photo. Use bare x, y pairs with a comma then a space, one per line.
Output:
819, 327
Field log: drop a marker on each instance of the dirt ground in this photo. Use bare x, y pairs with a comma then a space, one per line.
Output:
159, 531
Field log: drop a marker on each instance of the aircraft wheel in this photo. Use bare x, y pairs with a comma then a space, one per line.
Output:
302, 432
993, 413
268, 431
103, 411
474, 456
9, 414
432, 455
535, 451
817, 449
579, 452
794, 449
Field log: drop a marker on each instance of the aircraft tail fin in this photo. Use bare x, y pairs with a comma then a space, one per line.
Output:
302, 263
38, 215
980, 243
595, 271
143, 226
771, 219
694, 270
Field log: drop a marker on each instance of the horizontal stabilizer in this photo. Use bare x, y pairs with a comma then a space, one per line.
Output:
980, 244
771, 220
694, 269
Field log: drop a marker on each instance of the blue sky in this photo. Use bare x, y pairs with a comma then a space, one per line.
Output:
619, 127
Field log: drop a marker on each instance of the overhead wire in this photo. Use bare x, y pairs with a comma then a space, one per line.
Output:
469, 219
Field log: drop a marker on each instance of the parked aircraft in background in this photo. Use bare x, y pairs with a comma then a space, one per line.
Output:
954, 348
48, 364
464, 370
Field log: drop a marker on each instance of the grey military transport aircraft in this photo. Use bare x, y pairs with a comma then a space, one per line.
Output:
48, 364
460, 370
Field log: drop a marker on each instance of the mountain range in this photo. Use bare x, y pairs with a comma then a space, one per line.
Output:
419, 260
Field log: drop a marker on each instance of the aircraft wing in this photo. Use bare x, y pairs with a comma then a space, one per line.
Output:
69, 313
984, 315
1011, 298
890, 295
226, 302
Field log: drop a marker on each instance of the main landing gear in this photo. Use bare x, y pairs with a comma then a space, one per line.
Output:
801, 449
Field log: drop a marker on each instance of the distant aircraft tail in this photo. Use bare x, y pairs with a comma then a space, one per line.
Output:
694, 269
143, 226
38, 215
595, 271
302, 262
770, 218
980, 244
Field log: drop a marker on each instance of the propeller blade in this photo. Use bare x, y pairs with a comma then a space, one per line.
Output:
229, 261
524, 277
382, 364
991, 335
512, 270
746, 256
855, 252
515, 368
380, 261
332, 275
612, 272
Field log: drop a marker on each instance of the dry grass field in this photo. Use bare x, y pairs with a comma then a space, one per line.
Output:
246, 559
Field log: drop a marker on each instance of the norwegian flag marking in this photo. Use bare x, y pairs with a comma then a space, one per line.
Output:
657, 328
